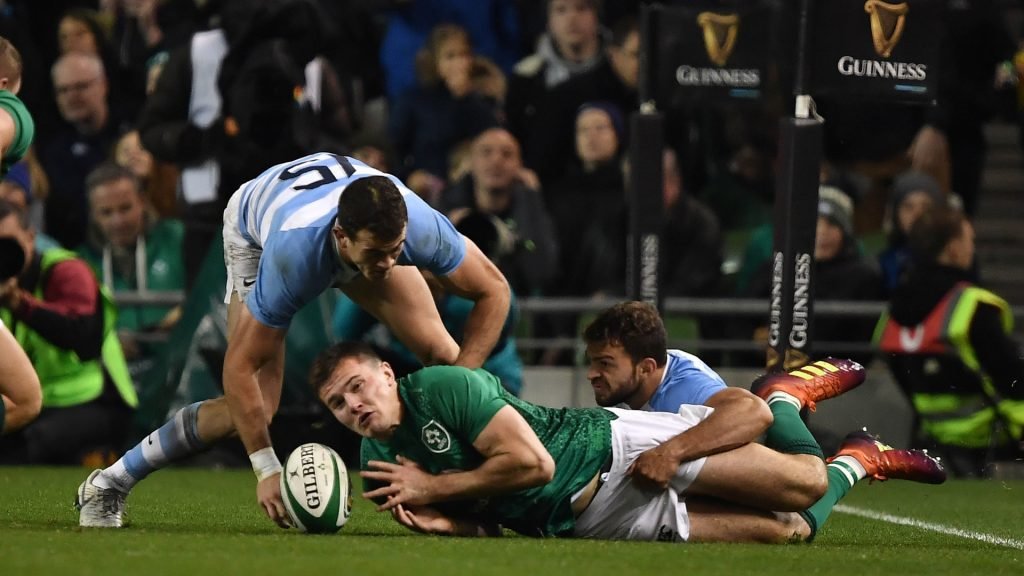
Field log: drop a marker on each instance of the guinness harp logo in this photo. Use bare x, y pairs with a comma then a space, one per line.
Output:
887, 21
720, 31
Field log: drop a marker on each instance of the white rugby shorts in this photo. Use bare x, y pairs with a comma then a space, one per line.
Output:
622, 511
241, 259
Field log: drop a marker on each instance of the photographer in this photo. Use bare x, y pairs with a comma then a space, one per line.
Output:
63, 321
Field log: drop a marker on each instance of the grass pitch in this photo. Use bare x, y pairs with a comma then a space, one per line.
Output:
187, 521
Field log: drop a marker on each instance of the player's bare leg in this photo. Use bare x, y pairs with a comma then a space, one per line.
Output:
716, 521
756, 476
101, 498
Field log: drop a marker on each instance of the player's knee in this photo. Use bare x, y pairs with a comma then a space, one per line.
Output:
811, 484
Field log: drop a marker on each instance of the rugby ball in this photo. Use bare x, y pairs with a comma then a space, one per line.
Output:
316, 489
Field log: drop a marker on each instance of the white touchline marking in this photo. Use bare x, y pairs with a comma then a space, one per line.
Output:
942, 529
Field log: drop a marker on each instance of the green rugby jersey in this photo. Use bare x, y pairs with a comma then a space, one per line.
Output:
24, 130
446, 408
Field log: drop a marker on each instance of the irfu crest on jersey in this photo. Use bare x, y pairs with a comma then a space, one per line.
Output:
435, 437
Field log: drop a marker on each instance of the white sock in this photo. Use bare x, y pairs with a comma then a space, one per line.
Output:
779, 396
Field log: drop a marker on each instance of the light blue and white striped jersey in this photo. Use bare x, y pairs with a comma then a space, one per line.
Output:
289, 211
687, 380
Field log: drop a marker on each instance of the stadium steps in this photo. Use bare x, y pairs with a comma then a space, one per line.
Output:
999, 222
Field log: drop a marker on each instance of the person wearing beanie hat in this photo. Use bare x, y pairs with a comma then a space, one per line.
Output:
912, 194
596, 124
614, 114
841, 273
837, 207
16, 186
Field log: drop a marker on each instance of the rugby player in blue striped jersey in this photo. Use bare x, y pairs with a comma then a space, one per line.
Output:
289, 234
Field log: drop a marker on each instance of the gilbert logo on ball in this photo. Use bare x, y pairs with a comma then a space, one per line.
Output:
316, 489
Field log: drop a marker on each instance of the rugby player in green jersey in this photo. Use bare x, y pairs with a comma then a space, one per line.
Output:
16, 126
447, 451
20, 394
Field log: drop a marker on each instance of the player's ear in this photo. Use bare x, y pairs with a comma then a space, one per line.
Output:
389, 373
647, 366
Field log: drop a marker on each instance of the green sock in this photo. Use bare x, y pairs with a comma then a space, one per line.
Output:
788, 433
841, 477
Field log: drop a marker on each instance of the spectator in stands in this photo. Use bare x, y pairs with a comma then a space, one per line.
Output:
443, 110
949, 345
80, 30
81, 85
495, 185
159, 179
912, 194
594, 182
491, 25
16, 188
131, 249
614, 80
841, 272
571, 46
65, 322
691, 244
85, 31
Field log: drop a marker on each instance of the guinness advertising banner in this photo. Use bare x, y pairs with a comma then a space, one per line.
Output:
876, 49
697, 55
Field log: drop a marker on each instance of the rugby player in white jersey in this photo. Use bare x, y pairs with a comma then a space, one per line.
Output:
289, 234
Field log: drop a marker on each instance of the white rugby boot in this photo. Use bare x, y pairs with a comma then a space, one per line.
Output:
99, 507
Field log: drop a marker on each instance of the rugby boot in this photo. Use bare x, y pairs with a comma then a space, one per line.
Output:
882, 462
812, 383
99, 507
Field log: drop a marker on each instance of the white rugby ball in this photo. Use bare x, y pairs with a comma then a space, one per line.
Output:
316, 489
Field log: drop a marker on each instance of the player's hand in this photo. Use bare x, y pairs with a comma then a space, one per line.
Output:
654, 469
424, 519
268, 492
404, 483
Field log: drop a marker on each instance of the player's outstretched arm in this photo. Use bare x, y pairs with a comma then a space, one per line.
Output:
739, 418
429, 520
479, 280
252, 346
514, 459
19, 385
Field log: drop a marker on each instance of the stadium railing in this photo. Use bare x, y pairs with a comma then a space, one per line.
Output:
530, 308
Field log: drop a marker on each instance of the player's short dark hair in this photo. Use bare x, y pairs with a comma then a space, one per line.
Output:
326, 362
374, 204
108, 172
10, 62
636, 326
933, 230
